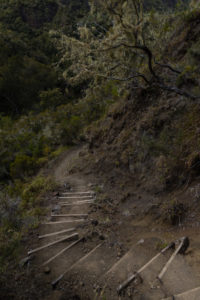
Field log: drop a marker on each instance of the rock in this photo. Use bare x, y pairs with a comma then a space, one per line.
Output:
47, 270
140, 241
102, 237
67, 186
56, 208
186, 244
94, 222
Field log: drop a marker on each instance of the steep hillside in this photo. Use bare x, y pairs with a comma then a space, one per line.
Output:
120, 83
148, 145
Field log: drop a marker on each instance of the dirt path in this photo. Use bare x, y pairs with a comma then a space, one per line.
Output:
78, 262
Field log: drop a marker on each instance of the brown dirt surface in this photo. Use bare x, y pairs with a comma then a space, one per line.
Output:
111, 234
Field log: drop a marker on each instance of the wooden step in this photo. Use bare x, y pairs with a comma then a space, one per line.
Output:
74, 193
76, 203
193, 294
76, 197
55, 233
71, 215
145, 266
57, 280
61, 252
66, 238
62, 222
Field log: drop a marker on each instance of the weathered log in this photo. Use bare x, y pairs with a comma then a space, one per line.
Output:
134, 275
62, 222
61, 252
69, 237
55, 233
70, 215
57, 280
184, 243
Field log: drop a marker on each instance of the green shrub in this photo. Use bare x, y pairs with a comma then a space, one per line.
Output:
22, 166
32, 192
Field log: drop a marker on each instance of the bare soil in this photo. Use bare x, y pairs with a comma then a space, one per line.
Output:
109, 253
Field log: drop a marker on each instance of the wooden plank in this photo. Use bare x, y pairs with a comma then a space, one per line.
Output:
71, 215
69, 237
55, 233
192, 294
62, 222
56, 281
72, 193
76, 203
134, 276
167, 265
76, 197
61, 252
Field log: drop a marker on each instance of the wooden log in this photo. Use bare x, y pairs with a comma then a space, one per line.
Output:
76, 197
70, 215
167, 265
134, 275
62, 222
55, 233
61, 252
69, 237
186, 295
56, 281
72, 193
76, 203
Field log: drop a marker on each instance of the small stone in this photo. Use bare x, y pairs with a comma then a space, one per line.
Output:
94, 222
47, 270
140, 241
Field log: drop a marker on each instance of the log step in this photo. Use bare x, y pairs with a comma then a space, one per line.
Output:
134, 275
69, 237
56, 233
56, 281
62, 222
76, 197
74, 193
61, 252
71, 215
193, 294
76, 203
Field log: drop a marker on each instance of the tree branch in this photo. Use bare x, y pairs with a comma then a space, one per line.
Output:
167, 66
127, 78
145, 49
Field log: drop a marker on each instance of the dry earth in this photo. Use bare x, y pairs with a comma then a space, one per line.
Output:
114, 244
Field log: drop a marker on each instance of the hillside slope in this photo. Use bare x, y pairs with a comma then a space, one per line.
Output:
150, 141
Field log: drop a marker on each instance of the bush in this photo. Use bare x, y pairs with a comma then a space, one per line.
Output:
32, 192
22, 166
